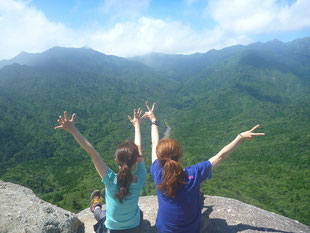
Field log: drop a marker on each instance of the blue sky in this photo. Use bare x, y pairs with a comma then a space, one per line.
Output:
135, 27
75, 13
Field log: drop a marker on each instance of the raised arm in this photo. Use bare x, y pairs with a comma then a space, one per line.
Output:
154, 130
137, 116
227, 150
69, 126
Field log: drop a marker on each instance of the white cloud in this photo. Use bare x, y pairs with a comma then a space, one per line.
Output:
259, 16
25, 28
155, 35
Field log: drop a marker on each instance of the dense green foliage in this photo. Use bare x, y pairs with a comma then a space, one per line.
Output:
207, 99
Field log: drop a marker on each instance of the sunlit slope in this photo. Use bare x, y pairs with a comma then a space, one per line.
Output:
103, 95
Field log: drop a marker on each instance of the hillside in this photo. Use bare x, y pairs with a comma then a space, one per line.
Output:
205, 98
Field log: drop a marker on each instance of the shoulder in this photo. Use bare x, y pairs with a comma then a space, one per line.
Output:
198, 166
140, 172
201, 170
140, 168
156, 165
109, 177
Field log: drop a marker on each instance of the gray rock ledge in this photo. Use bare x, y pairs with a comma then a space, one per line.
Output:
21, 211
221, 215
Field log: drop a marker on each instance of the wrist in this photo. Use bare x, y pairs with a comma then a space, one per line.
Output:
154, 122
240, 137
73, 131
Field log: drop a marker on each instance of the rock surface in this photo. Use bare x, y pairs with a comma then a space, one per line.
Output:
22, 211
230, 215
221, 215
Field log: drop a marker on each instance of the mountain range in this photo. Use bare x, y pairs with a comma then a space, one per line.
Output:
206, 99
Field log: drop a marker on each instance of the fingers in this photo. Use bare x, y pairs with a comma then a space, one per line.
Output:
73, 117
153, 107
129, 117
139, 112
62, 120
254, 128
147, 106
146, 115
258, 134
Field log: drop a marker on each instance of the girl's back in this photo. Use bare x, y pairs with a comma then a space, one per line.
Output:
183, 212
126, 214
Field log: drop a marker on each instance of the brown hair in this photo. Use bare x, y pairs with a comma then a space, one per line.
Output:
168, 154
126, 155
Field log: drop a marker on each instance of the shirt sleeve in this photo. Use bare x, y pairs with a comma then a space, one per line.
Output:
141, 173
108, 178
156, 172
152, 167
204, 170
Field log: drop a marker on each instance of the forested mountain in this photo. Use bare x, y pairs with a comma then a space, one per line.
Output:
206, 99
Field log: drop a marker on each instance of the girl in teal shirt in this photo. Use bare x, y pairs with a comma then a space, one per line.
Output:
122, 190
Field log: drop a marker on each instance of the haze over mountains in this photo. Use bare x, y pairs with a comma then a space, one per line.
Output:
207, 99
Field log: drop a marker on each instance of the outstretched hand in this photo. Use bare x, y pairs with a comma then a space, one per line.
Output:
66, 124
150, 113
137, 116
248, 135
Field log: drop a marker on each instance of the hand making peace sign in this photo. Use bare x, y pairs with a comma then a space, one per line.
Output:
248, 135
150, 113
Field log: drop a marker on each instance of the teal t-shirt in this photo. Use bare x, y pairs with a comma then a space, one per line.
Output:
120, 216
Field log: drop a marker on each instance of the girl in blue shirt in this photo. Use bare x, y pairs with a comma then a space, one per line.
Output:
122, 190
178, 189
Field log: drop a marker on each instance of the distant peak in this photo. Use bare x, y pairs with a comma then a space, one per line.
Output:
275, 41
22, 57
23, 53
68, 49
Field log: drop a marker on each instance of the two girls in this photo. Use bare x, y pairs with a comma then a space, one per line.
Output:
178, 189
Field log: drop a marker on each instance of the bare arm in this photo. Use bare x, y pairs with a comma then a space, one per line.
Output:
155, 139
154, 129
227, 150
69, 126
136, 123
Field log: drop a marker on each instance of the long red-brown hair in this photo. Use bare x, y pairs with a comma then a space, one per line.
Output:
169, 154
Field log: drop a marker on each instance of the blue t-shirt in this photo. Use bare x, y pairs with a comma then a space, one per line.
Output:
182, 213
125, 215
